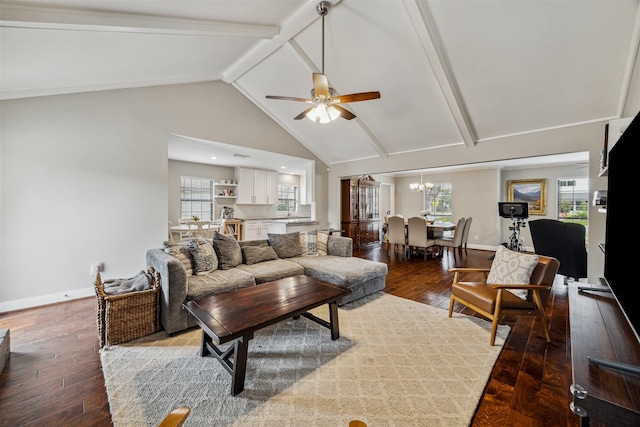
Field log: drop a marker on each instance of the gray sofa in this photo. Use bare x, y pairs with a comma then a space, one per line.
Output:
180, 282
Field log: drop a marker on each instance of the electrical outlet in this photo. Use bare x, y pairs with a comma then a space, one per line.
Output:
475, 237
94, 269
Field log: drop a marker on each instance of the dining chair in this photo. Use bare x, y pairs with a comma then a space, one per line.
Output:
455, 241
511, 273
171, 232
191, 232
465, 233
206, 229
417, 235
397, 234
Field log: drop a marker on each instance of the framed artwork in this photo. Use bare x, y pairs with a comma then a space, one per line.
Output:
532, 191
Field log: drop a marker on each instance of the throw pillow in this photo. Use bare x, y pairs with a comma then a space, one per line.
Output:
205, 259
309, 242
228, 250
512, 268
323, 240
182, 253
286, 245
256, 254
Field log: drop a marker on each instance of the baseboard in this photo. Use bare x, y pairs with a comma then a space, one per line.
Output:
20, 304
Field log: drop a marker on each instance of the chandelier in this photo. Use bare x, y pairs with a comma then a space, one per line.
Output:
422, 187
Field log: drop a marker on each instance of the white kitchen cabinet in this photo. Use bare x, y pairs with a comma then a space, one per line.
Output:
277, 227
271, 187
255, 229
256, 187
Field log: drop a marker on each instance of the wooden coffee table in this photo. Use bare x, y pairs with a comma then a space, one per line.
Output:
236, 315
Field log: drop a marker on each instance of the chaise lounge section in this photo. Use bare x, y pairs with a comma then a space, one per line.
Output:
204, 268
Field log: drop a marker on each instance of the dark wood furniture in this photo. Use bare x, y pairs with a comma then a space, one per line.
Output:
599, 329
238, 314
359, 210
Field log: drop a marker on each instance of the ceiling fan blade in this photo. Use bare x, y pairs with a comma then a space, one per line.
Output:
344, 113
288, 98
354, 97
303, 114
321, 85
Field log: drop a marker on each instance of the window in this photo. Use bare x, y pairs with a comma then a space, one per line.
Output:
196, 198
438, 202
287, 198
573, 200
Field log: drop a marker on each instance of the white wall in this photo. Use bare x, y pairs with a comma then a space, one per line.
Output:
84, 179
474, 194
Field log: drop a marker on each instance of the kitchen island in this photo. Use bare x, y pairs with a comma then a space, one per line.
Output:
258, 228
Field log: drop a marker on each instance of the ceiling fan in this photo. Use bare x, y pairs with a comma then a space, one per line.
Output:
325, 101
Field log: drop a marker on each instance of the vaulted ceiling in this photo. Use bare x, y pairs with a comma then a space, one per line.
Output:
449, 72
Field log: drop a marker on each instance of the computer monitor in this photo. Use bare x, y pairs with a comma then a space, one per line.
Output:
513, 209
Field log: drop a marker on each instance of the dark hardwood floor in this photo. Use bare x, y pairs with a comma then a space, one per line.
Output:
53, 376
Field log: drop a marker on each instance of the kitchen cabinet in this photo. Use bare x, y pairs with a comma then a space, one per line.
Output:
255, 229
360, 210
277, 227
256, 187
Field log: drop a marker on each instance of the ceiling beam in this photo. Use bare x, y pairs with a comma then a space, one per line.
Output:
67, 19
426, 31
305, 16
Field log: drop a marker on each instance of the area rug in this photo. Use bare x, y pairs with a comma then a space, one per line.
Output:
397, 363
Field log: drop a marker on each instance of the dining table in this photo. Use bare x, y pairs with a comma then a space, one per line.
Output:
194, 229
437, 229
434, 229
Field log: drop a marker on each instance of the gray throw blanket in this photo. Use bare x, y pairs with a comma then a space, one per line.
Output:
140, 282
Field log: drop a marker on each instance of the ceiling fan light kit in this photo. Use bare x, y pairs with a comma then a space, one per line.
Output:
325, 100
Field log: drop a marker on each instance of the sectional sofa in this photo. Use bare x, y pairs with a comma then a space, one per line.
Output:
200, 268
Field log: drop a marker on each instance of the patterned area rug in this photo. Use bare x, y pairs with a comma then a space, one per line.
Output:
397, 363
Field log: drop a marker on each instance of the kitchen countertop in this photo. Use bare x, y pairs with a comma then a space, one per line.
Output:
297, 221
290, 220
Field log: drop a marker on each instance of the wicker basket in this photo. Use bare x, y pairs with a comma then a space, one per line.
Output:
125, 317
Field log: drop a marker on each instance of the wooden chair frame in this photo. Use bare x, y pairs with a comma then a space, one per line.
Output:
176, 418
535, 305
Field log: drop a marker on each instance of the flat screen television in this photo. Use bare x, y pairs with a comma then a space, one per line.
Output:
621, 227
513, 209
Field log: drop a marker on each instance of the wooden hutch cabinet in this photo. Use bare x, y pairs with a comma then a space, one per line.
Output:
360, 210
